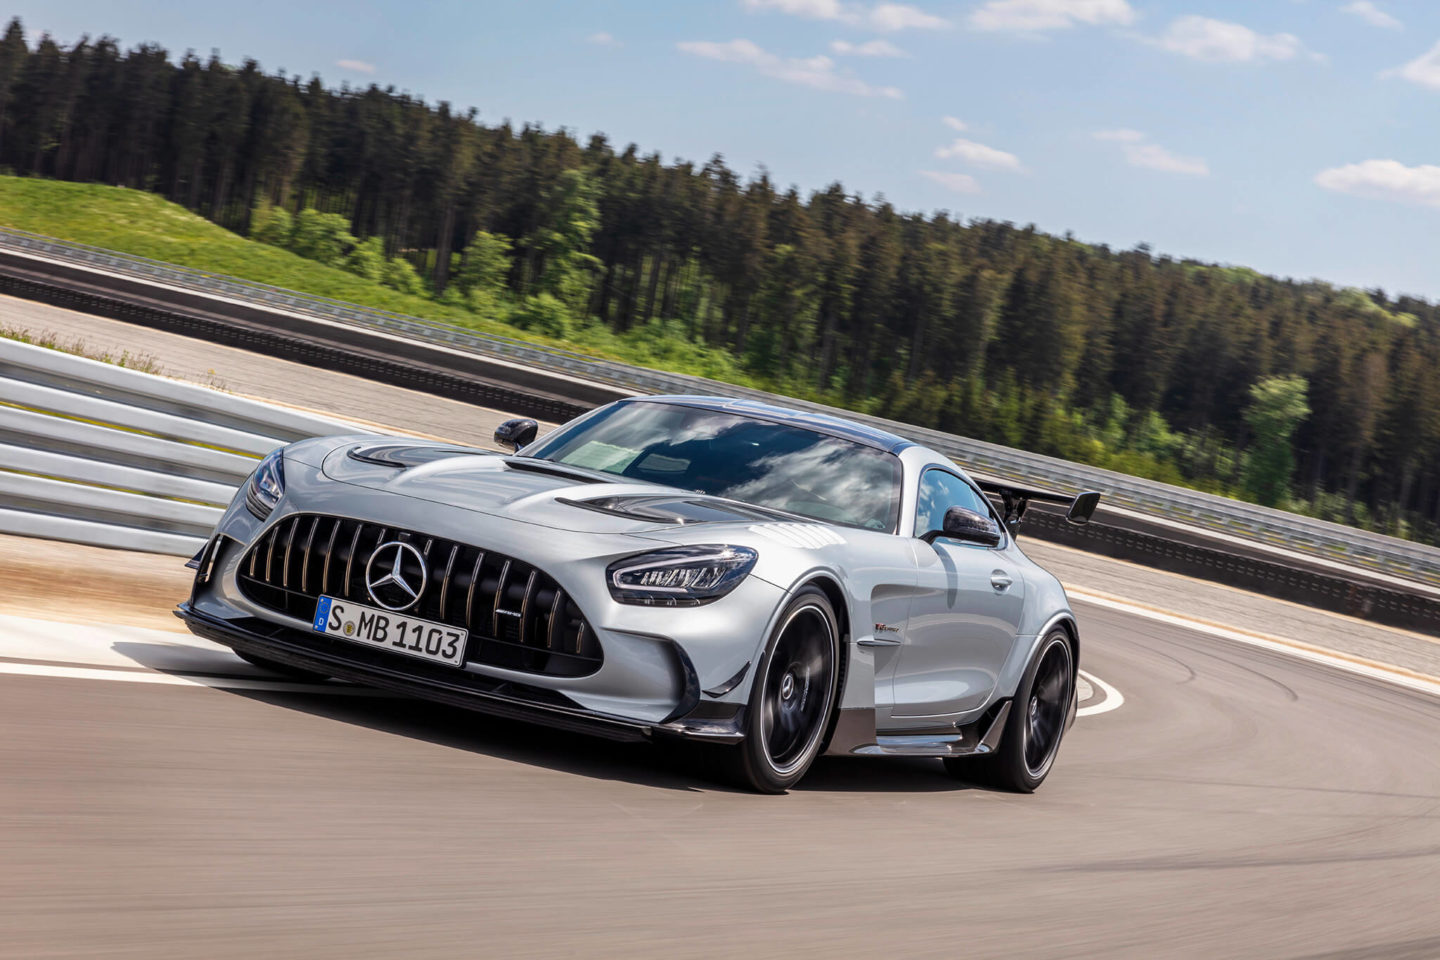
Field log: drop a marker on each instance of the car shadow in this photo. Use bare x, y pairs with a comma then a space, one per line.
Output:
662, 765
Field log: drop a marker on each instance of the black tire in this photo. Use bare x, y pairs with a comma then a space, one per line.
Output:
1035, 727
283, 669
792, 699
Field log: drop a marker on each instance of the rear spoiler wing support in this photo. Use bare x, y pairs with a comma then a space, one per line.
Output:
1016, 500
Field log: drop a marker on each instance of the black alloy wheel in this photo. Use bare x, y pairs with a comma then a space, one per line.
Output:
1049, 701
1035, 725
793, 696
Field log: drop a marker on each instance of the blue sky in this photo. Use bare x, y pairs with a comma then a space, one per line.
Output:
1299, 137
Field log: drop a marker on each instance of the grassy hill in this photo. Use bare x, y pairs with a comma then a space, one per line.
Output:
146, 225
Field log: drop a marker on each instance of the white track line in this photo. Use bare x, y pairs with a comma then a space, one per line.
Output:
1114, 700
1358, 666
136, 655
176, 679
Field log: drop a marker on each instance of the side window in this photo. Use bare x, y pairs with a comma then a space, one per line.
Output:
939, 491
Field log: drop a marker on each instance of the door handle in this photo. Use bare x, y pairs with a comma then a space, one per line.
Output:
1000, 580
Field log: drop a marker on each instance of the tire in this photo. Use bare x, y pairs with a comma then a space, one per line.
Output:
793, 697
283, 669
1035, 727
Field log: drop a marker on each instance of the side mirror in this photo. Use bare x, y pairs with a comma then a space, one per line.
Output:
1083, 508
966, 526
516, 433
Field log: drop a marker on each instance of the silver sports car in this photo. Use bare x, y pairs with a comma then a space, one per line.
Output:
766, 584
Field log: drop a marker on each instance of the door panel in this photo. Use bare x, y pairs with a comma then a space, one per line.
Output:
962, 626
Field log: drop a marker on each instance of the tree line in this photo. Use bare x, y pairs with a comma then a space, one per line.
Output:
1292, 393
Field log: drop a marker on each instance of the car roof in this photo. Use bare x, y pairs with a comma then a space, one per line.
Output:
819, 422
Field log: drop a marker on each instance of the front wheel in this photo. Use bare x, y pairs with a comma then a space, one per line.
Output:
793, 696
1035, 726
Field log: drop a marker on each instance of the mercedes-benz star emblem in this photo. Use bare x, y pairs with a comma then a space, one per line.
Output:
386, 578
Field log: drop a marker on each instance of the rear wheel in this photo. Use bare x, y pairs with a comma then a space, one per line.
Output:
1035, 726
793, 696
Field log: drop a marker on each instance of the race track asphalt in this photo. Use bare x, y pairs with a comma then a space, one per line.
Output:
1241, 803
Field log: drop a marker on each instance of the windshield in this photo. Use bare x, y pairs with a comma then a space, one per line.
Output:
727, 455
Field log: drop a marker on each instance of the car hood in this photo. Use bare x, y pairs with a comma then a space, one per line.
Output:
529, 490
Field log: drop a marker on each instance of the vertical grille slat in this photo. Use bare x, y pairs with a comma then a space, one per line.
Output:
329, 555
270, 554
525, 605
470, 594
499, 597
445, 582
305, 555
533, 625
556, 609
285, 559
350, 560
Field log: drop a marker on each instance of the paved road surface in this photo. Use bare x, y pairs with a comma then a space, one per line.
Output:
1240, 803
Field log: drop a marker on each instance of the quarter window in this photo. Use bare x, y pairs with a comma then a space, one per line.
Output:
939, 491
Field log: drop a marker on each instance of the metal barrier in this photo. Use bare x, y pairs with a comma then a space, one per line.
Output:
1275, 528
95, 453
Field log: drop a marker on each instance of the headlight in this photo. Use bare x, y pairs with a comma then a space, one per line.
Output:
266, 485
680, 577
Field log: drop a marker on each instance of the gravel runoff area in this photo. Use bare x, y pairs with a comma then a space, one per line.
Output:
141, 592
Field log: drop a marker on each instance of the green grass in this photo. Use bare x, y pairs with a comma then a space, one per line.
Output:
146, 225
143, 362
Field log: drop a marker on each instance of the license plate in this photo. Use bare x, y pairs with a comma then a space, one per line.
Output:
389, 630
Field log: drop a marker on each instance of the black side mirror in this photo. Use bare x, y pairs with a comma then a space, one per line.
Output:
516, 433
967, 526
1083, 508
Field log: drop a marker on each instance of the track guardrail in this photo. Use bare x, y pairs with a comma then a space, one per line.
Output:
95, 453
1327, 542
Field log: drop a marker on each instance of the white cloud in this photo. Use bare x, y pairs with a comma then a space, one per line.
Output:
1372, 14
954, 123
1027, 15
813, 9
958, 182
356, 66
1152, 156
1139, 152
901, 16
1423, 70
815, 72
1385, 180
871, 48
885, 17
1219, 41
602, 39
1120, 136
978, 154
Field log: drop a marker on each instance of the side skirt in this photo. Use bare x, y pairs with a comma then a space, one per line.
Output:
972, 740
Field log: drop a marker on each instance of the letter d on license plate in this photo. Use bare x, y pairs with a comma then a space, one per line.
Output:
373, 627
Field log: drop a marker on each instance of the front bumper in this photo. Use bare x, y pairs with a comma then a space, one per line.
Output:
710, 721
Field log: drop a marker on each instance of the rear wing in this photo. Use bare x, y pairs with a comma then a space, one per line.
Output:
1016, 500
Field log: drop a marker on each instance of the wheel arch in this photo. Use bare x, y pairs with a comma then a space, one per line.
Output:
1066, 621
829, 586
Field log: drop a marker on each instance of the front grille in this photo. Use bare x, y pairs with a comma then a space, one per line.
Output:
517, 616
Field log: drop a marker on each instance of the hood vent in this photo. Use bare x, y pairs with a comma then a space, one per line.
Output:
405, 455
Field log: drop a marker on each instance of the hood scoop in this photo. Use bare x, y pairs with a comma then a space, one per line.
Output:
403, 456
676, 509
